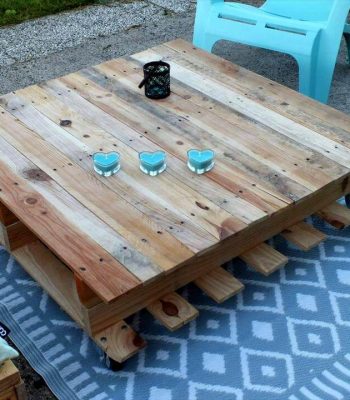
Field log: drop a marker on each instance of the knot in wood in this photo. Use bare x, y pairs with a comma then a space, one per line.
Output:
202, 206
36, 174
31, 200
66, 122
138, 341
169, 308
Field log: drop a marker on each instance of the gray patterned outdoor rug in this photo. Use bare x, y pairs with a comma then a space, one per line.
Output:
284, 337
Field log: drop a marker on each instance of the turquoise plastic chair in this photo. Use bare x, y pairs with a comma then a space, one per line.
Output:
308, 30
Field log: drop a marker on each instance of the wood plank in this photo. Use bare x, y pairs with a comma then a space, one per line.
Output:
304, 110
173, 311
81, 217
79, 252
53, 276
336, 215
222, 197
229, 96
9, 376
264, 258
166, 252
16, 235
169, 208
219, 284
304, 236
119, 341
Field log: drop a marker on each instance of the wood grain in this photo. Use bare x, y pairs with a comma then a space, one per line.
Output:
173, 311
264, 259
9, 395
304, 236
9, 376
335, 214
219, 284
119, 341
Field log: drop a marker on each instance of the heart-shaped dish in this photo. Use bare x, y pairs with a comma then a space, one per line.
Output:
200, 161
106, 164
152, 163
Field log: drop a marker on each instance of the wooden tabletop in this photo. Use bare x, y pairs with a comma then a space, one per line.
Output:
274, 150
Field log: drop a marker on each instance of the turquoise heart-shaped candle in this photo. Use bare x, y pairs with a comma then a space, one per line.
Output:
152, 163
200, 161
106, 164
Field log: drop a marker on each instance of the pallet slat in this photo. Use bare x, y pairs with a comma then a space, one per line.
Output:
9, 376
219, 284
173, 311
119, 341
304, 236
264, 259
336, 215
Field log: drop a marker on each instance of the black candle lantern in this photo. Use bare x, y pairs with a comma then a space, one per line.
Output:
156, 80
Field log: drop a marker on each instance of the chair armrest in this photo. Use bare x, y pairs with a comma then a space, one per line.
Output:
235, 11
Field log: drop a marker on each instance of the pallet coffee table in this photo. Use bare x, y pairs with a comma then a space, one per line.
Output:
105, 248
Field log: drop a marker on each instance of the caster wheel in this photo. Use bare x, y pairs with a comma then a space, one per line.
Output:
347, 200
112, 364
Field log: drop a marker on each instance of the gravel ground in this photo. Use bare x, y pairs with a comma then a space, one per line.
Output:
54, 46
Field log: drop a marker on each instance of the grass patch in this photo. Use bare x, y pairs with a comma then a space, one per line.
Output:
15, 11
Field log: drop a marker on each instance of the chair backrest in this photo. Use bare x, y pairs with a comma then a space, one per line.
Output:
308, 10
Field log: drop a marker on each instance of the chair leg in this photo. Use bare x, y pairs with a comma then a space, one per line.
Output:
306, 75
323, 77
315, 78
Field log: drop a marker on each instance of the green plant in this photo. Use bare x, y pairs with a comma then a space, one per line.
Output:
15, 11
